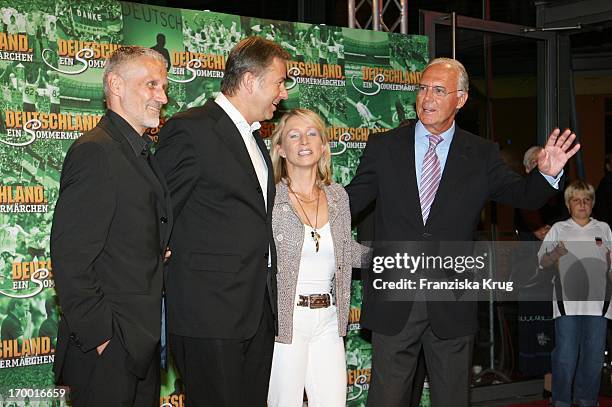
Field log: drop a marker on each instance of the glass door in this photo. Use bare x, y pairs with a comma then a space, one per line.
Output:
512, 101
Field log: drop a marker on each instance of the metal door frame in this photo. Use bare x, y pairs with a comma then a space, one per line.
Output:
547, 64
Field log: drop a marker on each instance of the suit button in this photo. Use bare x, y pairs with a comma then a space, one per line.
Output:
259, 189
75, 339
163, 219
426, 235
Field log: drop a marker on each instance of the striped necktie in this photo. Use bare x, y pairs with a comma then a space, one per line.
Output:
430, 176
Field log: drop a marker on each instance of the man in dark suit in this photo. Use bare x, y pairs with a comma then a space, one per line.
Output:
221, 287
430, 183
603, 195
110, 229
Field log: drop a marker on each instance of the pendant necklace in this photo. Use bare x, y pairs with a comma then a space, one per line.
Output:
314, 234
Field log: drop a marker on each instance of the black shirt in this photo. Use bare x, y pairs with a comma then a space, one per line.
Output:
139, 144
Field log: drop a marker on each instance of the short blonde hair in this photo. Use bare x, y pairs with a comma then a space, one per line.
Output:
279, 163
579, 186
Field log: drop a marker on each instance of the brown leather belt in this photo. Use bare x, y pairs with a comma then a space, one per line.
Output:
314, 301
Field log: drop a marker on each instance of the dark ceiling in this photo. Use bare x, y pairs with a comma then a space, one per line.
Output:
335, 12
591, 39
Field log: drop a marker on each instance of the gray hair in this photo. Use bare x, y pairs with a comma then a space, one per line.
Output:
126, 54
463, 82
530, 158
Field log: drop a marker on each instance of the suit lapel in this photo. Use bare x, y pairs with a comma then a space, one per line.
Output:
271, 188
228, 133
139, 164
151, 173
402, 154
455, 172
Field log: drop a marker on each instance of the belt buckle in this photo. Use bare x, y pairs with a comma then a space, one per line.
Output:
303, 301
318, 301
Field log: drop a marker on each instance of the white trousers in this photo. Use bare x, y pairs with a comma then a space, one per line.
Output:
314, 361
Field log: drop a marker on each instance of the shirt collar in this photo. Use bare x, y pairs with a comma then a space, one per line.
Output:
235, 114
421, 134
590, 222
138, 143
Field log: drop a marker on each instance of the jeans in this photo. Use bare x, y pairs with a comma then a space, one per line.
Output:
578, 358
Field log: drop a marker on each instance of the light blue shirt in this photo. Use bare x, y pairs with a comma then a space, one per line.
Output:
421, 145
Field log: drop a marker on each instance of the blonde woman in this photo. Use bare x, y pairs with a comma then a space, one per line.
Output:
312, 230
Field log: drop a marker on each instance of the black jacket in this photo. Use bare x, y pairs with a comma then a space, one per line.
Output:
473, 174
111, 225
218, 273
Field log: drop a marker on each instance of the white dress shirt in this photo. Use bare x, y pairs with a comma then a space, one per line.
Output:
246, 131
257, 159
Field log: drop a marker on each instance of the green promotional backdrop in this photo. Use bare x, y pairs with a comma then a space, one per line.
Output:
52, 55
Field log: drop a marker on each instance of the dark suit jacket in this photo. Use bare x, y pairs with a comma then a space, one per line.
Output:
473, 174
217, 277
111, 224
603, 199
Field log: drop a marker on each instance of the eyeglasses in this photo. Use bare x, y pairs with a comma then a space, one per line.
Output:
438, 91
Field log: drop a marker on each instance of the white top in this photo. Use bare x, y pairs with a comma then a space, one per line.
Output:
30, 90
584, 269
317, 269
53, 92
